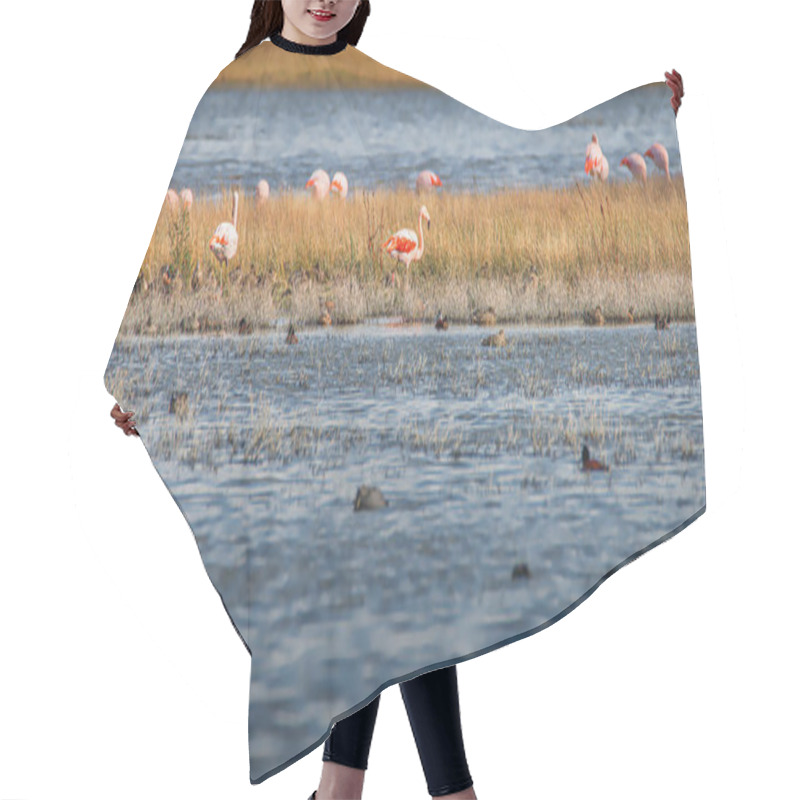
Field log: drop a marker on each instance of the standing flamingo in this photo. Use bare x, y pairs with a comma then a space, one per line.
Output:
187, 197
225, 240
262, 192
172, 198
404, 245
320, 182
660, 158
339, 184
426, 180
596, 163
636, 164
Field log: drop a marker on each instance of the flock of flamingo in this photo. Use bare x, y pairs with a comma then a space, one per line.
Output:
596, 164
405, 245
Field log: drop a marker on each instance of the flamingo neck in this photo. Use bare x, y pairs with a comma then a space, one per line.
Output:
421, 238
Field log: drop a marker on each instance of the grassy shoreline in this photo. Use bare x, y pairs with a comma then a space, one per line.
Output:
536, 256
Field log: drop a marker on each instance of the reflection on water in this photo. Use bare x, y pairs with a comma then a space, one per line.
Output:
382, 138
477, 450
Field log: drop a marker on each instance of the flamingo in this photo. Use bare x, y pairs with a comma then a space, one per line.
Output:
596, 163
225, 240
320, 182
636, 164
660, 158
404, 245
339, 184
262, 192
426, 180
187, 197
172, 198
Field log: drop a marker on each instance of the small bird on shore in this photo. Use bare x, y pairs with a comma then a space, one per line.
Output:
291, 336
590, 464
637, 165
495, 340
369, 498
630, 314
594, 317
441, 322
245, 327
662, 323
324, 317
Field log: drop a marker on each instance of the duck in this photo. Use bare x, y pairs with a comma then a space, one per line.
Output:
662, 323
495, 340
291, 336
179, 404
594, 317
245, 327
520, 570
590, 464
441, 322
630, 314
484, 316
369, 498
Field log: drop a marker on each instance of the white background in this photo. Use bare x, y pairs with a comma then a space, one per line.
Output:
120, 673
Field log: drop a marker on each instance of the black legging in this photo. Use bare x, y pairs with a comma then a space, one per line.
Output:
433, 711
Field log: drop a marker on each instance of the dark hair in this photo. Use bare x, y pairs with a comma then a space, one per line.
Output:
266, 19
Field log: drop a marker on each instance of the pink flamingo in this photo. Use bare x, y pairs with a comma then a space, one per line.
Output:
596, 163
636, 164
320, 182
225, 240
404, 245
426, 180
339, 184
660, 158
262, 192
187, 197
172, 198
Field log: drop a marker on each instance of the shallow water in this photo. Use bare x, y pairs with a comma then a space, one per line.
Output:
477, 450
383, 138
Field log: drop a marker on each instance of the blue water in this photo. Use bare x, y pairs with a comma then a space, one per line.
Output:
384, 138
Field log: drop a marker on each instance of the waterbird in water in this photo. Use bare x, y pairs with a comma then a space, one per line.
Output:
660, 157
405, 246
596, 164
319, 183
590, 464
339, 185
441, 322
495, 340
225, 240
636, 164
427, 180
369, 498
520, 571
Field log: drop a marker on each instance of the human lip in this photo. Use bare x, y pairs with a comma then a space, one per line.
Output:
323, 16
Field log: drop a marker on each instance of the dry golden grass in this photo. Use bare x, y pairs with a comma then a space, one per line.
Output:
534, 255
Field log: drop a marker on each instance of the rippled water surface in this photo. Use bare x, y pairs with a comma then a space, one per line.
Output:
476, 449
384, 138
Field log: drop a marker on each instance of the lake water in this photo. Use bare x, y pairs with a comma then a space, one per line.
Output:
384, 138
477, 450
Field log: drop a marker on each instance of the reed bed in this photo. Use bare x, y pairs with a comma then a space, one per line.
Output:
536, 256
